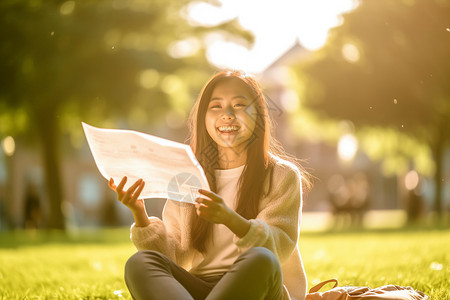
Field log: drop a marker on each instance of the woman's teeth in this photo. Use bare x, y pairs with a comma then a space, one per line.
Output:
228, 128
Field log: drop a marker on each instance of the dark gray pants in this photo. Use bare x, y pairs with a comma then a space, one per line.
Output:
256, 274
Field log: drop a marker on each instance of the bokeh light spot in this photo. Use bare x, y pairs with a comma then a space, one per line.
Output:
9, 146
149, 78
411, 180
184, 48
171, 84
347, 147
350, 53
67, 8
289, 100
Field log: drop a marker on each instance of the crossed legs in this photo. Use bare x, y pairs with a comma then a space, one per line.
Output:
256, 274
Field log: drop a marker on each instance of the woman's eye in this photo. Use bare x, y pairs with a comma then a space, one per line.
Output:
239, 105
215, 106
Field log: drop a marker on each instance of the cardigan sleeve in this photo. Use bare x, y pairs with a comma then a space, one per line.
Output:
276, 227
151, 237
160, 236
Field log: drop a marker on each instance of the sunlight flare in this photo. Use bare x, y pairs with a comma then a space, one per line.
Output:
276, 26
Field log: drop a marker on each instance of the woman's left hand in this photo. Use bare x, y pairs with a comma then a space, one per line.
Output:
213, 208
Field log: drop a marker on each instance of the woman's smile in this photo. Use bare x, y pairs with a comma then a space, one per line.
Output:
228, 130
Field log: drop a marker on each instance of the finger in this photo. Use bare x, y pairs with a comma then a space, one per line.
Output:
138, 191
205, 209
119, 188
210, 194
131, 190
202, 213
204, 201
204, 197
111, 184
205, 192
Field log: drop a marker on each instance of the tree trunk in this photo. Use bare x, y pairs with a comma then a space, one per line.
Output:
438, 181
7, 212
48, 128
438, 153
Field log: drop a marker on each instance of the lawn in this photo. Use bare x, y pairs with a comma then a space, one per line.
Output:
89, 265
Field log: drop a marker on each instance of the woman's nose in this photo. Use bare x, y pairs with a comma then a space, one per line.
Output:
229, 113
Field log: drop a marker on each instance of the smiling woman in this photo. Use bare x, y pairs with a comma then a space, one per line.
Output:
240, 239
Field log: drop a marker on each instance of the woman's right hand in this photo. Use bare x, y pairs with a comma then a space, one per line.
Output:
130, 197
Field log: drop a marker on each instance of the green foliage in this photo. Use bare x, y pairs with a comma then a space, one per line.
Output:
90, 265
396, 150
387, 67
100, 62
87, 57
387, 64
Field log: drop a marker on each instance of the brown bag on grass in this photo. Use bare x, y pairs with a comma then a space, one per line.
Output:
391, 292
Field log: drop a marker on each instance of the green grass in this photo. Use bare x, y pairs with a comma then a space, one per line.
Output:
90, 265
420, 259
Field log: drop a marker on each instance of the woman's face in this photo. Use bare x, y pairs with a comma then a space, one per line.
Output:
231, 115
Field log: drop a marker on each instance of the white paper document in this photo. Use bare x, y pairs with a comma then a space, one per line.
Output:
170, 169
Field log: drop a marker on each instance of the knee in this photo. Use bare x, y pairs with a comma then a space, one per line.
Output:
264, 260
141, 261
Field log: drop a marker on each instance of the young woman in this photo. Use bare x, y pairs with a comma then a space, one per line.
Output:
240, 240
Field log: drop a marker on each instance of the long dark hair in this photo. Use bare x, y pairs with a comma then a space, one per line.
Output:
259, 149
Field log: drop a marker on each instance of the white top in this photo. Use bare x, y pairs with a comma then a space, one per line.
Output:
222, 252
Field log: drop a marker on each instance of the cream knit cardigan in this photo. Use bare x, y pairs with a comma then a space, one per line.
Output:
276, 227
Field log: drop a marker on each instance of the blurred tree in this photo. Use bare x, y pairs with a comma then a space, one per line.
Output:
387, 66
95, 59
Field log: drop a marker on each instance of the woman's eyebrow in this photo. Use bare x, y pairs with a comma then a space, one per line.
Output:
234, 97
240, 97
